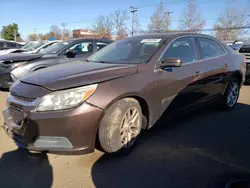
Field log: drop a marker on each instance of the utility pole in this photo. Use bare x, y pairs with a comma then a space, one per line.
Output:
35, 31
14, 33
63, 31
168, 16
133, 11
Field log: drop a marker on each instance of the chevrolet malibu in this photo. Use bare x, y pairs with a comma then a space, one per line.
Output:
120, 90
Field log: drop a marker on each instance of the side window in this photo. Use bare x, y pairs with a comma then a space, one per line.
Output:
11, 45
101, 45
210, 48
1, 45
221, 50
182, 48
82, 48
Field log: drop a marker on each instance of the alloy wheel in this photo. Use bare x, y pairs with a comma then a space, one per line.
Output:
130, 127
232, 95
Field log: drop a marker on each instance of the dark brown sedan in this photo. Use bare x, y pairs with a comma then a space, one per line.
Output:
121, 89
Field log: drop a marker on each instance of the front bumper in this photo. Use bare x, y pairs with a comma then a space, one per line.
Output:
62, 132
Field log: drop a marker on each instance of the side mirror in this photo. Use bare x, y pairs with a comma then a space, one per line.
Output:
40, 50
170, 62
70, 54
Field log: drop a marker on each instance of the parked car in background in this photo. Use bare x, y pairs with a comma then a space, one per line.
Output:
40, 46
33, 48
14, 50
244, 49
119, 90
4, 45
236, 47
14, 66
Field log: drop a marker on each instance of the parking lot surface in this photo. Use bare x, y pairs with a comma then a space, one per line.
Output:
202, 149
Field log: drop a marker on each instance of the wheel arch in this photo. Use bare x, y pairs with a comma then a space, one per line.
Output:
144, 107
238, 74
142, 101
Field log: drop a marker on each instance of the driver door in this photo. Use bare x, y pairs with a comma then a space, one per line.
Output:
182, 85
82, 51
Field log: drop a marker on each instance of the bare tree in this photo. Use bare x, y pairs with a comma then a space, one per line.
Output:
120, 18
103, 26
32, 37
55, 32
160, 21
191, 19
67, 34
229, 21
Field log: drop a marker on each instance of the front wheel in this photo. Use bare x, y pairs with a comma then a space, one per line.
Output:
120, 126
231, 94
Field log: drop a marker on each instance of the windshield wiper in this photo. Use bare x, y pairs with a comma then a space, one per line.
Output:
96, 61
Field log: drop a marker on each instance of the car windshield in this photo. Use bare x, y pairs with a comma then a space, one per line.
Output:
34, 46
27, 45
53, 49
134, 50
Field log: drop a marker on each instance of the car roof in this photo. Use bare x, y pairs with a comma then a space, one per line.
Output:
83, 39
171, 35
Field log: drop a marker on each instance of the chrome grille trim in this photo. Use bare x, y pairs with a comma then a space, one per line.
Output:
23, 98
17, 115
12, 99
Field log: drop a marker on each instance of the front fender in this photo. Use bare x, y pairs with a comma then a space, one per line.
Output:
18, 73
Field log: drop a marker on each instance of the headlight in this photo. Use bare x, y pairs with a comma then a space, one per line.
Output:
66, 99
15, 65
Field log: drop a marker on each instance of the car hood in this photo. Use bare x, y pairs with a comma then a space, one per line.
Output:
7, 51
74, 74
17, 57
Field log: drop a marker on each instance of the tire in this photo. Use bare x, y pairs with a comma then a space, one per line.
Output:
115, 133
226, 104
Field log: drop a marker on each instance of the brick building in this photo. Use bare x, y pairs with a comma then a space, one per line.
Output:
82, 33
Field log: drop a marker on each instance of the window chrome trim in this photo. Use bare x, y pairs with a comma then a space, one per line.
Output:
194, 36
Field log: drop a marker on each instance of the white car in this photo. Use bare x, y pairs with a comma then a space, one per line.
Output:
33, 48
3, 52
36, 48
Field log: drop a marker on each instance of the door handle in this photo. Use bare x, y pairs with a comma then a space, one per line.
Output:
198, 73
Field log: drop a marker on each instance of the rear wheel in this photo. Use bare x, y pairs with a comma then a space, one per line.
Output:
231, 94
120, 126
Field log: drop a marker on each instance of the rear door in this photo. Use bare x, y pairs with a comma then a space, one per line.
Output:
1, 45
213, 59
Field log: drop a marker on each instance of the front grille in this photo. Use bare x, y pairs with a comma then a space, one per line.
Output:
17, 115
20, 98
245, 50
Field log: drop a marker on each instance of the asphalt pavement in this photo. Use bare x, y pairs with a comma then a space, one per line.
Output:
202, 149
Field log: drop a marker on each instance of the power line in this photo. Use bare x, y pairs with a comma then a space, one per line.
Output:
208, 29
